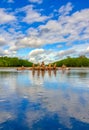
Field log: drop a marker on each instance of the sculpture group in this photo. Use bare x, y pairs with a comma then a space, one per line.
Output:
42, 66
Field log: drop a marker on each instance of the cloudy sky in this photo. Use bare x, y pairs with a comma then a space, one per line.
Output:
44, 30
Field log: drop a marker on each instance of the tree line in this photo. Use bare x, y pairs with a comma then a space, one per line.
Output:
80, 61
14, 62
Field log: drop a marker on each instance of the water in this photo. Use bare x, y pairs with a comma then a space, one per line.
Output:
54, 100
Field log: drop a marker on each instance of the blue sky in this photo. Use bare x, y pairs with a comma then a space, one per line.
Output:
44, 30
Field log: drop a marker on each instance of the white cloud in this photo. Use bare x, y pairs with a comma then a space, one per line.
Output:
82, 49
7, 41
39, 55
36, 55
74, 51
36, 1
65, 9
36, 51
2, 41
66, 29
74, 108
87, 49
6, 17
32, 42
6, 38
33, 15
48, 56
7, 52
3, 52
64, 53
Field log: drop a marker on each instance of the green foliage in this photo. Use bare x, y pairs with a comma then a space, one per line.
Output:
81, 61
14, 62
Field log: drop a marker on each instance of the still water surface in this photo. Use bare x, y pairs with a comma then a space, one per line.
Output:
51, 100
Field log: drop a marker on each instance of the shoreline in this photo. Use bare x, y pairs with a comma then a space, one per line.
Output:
57, 68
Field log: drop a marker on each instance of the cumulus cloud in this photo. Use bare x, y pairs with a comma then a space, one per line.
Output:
7, 52
36, 51
33, 15
81, 49
39, 55
36, 55
75, 50
2, 41
64, 53
70, 29
67, 28
3, 52
30, 42
49, 56
65, 9
73, 108
6, 42
6, 17
6, 38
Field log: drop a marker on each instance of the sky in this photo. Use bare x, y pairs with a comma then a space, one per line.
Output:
44, 30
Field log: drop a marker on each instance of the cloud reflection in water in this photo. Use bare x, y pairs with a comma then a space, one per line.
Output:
36, 97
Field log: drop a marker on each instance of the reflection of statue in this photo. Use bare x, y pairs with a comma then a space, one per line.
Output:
49, 72
63, 70
38, 72
54, 72
33, 73
42, 72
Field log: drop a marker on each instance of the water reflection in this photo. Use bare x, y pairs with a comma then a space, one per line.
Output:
40, 100
42, 73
